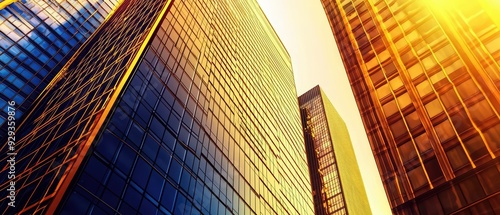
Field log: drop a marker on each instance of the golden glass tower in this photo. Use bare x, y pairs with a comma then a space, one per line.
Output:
425, 75
170, 107
336, 182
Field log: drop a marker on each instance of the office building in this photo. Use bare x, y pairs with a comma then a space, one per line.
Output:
336, 181
36, 39
171, 107
426, 78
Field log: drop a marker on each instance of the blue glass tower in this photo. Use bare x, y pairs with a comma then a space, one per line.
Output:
36, 39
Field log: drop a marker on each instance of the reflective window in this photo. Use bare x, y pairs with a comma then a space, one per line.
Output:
417, 177
433, 108
472, 189
457, 157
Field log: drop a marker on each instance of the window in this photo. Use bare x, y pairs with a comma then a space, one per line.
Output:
433, 169
404, 100
476, 148
141, 173
398, 128
390, 108
437, 77
454, 66
415, 71
423, 143
472, 190
424, 88
467, 89
168, 197
457, 157
451, 200
493, 46
377, 76
390, 69
407, 151
175, 170
429, 62
383, 91
489, 179
417, 177
433, 108
396, 83
492, 136
480, 111
413, 120
460, 121
444, 130
430, 206
444, 52
449, 99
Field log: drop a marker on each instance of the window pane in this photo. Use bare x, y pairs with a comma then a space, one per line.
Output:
417, 177
390, 108
423, 143
476, 147
430, 206
424, 88
407, 151
492, 136
480, 111
383, 91
457, 157
396, 83
433, 169
451, 200
415, 71
449, 99
489, 179
472, 190
398, 128
404, 100
444, 131
460, 121
467, 89
433, 108
413, 120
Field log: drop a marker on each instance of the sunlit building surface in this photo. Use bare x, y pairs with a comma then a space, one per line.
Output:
335, 178
171, 107
36, 39
426, 78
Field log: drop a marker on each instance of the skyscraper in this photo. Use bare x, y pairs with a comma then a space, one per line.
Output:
36, 39
426, 78
171, 107
335, 178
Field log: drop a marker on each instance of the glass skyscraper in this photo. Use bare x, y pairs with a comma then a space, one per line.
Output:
336, 181
170, 107
36, 39
426, 77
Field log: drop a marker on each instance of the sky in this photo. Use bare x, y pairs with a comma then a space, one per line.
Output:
306, 34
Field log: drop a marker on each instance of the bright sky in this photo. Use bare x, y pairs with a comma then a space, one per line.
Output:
305, 32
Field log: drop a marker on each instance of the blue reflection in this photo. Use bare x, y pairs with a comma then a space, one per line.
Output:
35, 42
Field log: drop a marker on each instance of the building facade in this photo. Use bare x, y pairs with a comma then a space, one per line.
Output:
171, 107
426, 78
36, 39
336, 181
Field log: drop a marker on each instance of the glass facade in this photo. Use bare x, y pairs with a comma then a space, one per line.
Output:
172, 107
336, 181
425, 75
36, 39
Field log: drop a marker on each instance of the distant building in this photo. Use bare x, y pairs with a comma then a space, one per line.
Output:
335, 177
426, 77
